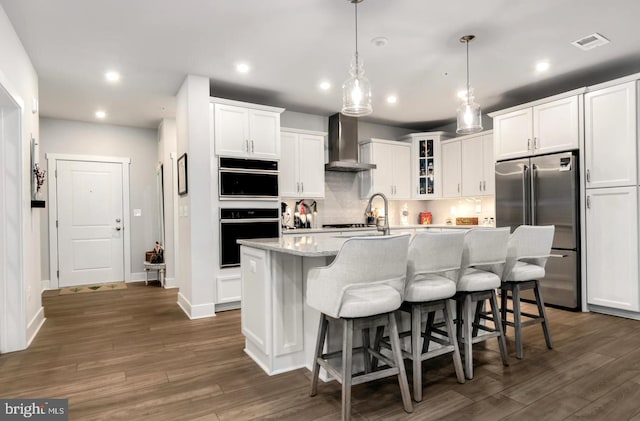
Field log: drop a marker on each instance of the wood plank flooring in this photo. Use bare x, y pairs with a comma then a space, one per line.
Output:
133, 355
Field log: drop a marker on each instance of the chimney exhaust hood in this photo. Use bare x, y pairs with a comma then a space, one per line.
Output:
343, 145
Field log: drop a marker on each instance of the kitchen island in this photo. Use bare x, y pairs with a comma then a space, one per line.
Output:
279, 327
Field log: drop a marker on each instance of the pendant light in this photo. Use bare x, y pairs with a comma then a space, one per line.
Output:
469, 113
356, 91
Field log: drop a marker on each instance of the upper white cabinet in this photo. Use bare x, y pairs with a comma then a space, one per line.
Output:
611, 136
548, 127
478, 166
451, 153
426, 179
302, 164
246, 130
392, 175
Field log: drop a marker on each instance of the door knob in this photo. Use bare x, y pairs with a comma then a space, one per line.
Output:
118, 228
117, 219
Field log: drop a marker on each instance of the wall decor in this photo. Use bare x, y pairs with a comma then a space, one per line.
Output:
182, 175
37, 176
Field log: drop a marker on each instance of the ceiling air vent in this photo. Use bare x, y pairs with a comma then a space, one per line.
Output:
590, 41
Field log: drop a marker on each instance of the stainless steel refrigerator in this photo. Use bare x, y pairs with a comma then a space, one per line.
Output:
543, 190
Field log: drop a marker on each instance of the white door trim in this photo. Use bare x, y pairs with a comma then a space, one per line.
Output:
13, 319
52, 163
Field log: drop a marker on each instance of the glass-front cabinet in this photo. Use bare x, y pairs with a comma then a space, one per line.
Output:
426, 179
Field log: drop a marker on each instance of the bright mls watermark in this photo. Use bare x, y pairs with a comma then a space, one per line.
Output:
34, 409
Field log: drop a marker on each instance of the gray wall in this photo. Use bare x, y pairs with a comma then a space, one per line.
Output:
140, 145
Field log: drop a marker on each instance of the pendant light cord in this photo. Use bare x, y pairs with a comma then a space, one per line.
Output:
468, 86
356, 17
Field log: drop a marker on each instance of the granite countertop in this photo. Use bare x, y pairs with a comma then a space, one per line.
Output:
304, 245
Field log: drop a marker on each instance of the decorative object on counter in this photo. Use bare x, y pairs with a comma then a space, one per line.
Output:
425, 218
37, 176
182, 175
356, 91
302, 216
314, 213
469, 113
285, 212
467, 221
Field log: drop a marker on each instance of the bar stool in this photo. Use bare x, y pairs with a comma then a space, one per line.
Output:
528, 251
363, 287
433, 264
483, 258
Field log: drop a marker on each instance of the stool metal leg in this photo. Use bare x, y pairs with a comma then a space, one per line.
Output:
347, 358
457, 361
543, 313
322, 334
503, 308
427, 331
498, 326
394, 338
467, 322
416, 322
517, 320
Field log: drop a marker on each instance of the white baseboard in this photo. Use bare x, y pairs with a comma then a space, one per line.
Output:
170, 283
140, 276
199, 311
34, 325
234, 305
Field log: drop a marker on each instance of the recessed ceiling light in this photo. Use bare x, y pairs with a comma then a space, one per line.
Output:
392, 99
100, 114
112, 76
325, 86
542, 66
242, 68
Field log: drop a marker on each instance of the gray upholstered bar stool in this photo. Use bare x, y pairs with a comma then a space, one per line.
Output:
362, 288
483, 258
432, 268
529, 248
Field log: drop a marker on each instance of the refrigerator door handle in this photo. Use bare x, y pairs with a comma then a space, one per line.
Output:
525, 173
534, 171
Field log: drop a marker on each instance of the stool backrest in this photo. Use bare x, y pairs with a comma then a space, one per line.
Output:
530, 244
485, 249
435, 252
361, 261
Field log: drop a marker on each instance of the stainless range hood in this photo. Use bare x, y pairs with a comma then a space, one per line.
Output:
343, 145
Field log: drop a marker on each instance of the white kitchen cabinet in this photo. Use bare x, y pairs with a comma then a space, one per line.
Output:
612, 248
478, 166
548, 127
451, 168
302, 164
611, 136
426, 179
392, 175
245, 131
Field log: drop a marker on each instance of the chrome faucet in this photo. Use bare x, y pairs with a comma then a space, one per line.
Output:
385, 228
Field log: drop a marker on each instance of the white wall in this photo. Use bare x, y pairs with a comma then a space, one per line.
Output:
196, 266
168, 154
140, 145
18, 73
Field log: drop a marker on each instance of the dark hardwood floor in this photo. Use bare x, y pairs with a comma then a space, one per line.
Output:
133, 355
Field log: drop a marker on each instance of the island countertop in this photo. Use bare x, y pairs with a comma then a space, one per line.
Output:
305, 245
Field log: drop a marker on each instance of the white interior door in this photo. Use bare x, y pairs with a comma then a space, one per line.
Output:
90, 222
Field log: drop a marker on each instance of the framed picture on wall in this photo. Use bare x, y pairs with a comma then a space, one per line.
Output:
182, 175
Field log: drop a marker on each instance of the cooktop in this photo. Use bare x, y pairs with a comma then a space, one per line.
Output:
347, 225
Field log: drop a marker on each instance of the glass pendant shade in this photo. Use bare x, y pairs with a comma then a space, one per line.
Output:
356, 92
469, 113
469, 116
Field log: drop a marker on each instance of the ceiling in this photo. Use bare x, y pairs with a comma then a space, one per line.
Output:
292, 45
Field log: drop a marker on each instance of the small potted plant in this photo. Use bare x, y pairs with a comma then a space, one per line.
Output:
39, 178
